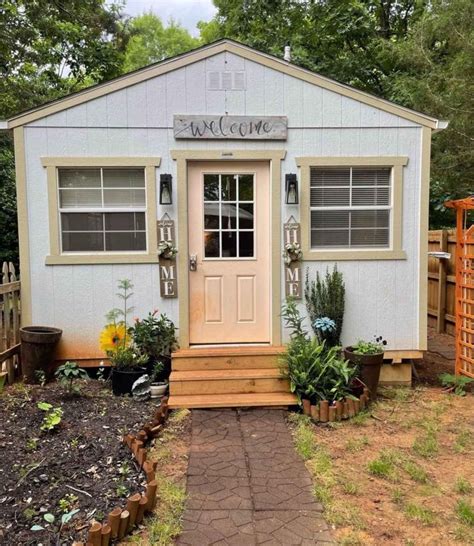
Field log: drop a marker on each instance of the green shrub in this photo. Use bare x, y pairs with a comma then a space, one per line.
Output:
325, 298
68, 374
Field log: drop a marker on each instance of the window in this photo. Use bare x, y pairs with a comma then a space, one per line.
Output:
229, 215
102, 209
350, 207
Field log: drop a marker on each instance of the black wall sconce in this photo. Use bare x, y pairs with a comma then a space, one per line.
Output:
166, 187
291, 189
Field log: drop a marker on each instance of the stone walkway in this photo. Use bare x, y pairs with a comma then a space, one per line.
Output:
246, 484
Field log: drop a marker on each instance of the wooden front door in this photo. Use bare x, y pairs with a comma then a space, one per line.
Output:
229, 237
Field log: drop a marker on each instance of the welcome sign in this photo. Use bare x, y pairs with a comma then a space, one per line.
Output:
230, 127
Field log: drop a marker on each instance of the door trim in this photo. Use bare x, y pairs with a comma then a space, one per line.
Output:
274, 157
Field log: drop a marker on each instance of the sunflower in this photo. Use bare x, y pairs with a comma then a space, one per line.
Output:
112, 337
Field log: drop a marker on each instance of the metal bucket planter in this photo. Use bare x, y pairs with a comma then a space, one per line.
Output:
369, 366
38, 344
123, 380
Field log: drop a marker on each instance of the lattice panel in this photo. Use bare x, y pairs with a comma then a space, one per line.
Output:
465, 305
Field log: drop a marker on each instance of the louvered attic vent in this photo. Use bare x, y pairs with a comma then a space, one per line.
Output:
231, 80
350, 207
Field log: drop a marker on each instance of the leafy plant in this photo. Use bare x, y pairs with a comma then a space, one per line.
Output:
68, 374
315, 372
455, 383
167, 250
32, 444
325, 298
52, 418
40, 376
67, 502
157, 372
293, 319
370, 347
155, 336
121, 490
126, 358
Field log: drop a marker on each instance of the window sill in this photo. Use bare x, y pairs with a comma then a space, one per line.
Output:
352, 254
90, 259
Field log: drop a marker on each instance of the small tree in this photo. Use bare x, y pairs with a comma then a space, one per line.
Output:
325, 299
68, 373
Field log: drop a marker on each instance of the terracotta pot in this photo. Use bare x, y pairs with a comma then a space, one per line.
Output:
369, 366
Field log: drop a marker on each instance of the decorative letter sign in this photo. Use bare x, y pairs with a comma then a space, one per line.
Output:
230, 127
292, 231
167, 266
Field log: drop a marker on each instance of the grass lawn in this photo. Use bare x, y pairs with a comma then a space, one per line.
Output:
401, 473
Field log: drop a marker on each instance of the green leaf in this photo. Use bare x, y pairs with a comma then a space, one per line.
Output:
49, 518
66, 518
37, 528
44, 406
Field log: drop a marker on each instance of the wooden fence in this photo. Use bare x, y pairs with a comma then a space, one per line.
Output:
10, 312
442, 281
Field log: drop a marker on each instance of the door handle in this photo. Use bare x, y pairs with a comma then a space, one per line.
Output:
193, 262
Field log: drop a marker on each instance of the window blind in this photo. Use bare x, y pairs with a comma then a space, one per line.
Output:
350, 207
102, 209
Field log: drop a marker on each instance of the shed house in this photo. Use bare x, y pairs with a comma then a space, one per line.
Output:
234, 150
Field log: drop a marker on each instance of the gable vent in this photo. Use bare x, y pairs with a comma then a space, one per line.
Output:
226, 80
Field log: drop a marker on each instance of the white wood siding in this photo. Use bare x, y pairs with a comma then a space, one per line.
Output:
382, 296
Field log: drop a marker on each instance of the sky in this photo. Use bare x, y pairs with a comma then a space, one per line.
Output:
187, 12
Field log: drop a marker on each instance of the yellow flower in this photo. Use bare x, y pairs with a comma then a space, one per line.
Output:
112, 337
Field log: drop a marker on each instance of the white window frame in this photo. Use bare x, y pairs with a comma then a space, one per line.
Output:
394, 251
56, 256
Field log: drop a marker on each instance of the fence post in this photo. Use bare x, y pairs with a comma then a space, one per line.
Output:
7, 333
442, 285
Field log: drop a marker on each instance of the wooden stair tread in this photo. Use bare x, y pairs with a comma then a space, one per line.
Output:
208, 352
227, 374
232, 400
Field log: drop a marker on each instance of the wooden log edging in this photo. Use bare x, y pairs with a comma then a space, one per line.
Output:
122, 520
323, 412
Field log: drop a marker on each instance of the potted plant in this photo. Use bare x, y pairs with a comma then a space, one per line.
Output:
368, 357
158, 387
155, 336
128, 363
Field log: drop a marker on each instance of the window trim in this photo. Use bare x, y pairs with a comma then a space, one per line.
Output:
395, 252
56, 257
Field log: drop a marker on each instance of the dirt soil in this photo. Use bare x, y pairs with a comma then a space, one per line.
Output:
422, 442
82, 465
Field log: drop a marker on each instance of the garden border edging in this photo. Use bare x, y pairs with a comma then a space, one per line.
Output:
122, 520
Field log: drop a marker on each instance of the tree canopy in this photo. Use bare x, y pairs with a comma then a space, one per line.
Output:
419, 53
149, 41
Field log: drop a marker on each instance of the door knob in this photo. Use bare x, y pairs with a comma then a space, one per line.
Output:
193, 262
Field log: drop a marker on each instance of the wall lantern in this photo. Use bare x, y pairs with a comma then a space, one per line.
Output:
166, 189
291, 189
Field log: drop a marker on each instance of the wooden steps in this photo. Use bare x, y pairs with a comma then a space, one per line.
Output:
232, 401
213, 377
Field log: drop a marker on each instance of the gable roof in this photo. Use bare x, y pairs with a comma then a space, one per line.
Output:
205, 52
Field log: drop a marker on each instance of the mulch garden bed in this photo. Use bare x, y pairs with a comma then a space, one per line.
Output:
83, 465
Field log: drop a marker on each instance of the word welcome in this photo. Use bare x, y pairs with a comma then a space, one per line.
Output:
231, 127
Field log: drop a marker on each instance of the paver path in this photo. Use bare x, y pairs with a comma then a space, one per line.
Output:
246, 484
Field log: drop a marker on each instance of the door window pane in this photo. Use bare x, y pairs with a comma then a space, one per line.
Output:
229, 216
211, 216
228, 187
246, 244
246, 216
245, 187
229, 244
211, 244
227, 213
211, 187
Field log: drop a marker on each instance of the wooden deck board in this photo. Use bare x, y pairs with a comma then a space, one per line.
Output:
232, 400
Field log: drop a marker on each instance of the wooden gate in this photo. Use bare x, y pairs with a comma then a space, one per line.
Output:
464, 287
9, 323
